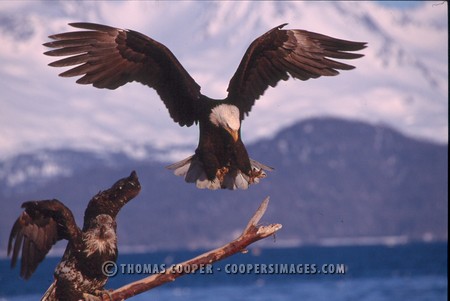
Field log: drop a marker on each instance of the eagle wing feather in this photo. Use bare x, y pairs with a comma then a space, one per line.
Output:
109, 57
280, 54
37, 229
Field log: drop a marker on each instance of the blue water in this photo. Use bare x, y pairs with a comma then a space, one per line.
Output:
406, 272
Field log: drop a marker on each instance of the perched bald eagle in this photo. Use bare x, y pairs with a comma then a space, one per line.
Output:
109, 57
79, 272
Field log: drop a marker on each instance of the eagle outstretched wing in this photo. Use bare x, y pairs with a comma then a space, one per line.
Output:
37, 229
109, 57
279, 53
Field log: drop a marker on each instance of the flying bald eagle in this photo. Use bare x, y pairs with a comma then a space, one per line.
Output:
109, 57
80, 270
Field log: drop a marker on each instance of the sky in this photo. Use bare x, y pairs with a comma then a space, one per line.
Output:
400, 4
402, 81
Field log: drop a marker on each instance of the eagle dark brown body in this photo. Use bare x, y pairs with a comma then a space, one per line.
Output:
109, 57
79, 272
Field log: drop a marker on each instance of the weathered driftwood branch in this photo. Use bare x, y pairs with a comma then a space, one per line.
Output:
252, 233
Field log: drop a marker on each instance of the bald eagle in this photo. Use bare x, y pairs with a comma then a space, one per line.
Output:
81, 269
109, 57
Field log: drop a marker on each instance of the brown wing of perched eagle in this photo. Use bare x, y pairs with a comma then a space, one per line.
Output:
109, 57
43, 223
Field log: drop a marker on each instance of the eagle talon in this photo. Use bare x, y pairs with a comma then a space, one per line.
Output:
108, 293
221, 172
98, 295
256, 174
89, 297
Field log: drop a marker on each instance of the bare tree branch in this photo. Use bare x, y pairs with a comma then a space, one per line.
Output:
251, 234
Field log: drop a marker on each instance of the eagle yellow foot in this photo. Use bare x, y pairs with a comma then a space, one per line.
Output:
220, 174
89, 297
255, 175
98, 295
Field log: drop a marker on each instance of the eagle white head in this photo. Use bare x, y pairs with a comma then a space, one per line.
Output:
227, 117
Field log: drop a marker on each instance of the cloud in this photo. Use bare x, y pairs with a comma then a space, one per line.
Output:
402, 80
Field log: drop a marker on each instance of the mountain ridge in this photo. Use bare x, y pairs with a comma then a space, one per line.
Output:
335, 181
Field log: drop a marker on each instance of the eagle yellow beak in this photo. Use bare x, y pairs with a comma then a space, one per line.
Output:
234, 134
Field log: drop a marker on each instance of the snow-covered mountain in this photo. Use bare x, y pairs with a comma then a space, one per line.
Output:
402, 81
335, 181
